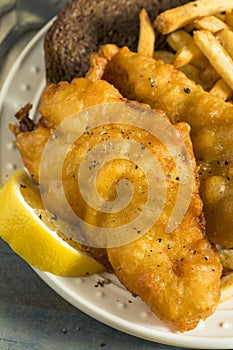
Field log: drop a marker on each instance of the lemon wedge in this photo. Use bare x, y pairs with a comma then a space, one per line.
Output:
24, 227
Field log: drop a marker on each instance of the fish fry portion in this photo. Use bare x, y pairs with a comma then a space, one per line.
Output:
178, 273
58, 102
211, 118
175, 273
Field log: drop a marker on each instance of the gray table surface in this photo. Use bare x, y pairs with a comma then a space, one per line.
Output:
32, 316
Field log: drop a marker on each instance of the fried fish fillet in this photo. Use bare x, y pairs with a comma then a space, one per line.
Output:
211, 119
58, 102
178, 273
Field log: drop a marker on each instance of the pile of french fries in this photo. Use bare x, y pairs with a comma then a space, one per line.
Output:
199, 36
200, 39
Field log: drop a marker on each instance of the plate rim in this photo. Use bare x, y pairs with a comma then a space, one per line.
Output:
169, 338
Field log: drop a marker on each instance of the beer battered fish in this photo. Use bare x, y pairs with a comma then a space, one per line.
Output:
58, 102
178, 273
211, 119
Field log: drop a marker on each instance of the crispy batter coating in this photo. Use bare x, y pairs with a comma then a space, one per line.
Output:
211, 119
58, 102
178, 273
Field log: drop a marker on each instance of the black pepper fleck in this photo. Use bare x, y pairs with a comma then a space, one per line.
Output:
187, 90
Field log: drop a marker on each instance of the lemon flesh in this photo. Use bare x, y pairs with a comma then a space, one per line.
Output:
24, 227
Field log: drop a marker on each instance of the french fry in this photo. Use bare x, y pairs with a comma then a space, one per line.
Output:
226, 287
146, 41
178, 39
165, 56
209, 76
190, 53
179, 17
229, 18
216, 54
225, 36
220, 16
211, 23
226, 257
189, 70
224, 91
189, 27
192, 73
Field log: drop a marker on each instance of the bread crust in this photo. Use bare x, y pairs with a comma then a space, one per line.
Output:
83, 26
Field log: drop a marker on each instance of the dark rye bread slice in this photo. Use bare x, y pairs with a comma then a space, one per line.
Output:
84, 25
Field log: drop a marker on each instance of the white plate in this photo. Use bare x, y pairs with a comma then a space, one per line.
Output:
112, 304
